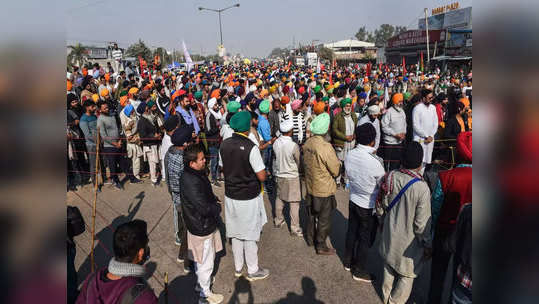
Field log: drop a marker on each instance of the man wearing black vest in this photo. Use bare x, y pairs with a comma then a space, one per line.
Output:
245, 214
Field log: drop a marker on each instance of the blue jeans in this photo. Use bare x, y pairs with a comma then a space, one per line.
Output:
214, 161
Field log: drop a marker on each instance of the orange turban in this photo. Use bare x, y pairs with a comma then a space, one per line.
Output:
398, 97
69, 85
263, 93
465, 101
123, 100
285, 100
215, 94
95, 97
85, 72
107, 76
319, 107
104, 92
133, 91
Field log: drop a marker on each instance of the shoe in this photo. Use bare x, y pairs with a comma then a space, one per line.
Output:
107, 182
212, 298
135, 180
118, 186
180, 259
347, 267
259, 275
362, 277
238, 274
187, 269
155, 184
325, 251
178, 243
297, 233
278, 225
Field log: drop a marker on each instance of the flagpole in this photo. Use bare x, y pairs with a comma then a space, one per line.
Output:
427, 33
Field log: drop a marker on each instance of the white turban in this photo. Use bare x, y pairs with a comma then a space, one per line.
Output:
252, 88
286, 125
211, 103
373, 110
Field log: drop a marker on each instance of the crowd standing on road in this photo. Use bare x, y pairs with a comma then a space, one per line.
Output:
400, 142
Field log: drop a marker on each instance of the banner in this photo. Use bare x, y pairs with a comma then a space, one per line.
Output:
188, 61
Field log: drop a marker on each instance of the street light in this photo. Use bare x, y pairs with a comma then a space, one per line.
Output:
200, 8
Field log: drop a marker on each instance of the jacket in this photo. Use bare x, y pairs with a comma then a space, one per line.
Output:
200, 208
147, 130
338, 129
106, 291
393, 123
108, 130
212, 130
321, 167
287, 157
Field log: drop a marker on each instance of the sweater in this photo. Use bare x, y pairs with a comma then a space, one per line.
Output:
338, 129
393, 123
108, 130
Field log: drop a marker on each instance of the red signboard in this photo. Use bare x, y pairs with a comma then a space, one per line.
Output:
415, 37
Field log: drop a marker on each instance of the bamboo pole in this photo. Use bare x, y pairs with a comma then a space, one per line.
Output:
166, 287
97, 166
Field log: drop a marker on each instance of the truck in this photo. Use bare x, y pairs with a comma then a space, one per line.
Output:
311, 59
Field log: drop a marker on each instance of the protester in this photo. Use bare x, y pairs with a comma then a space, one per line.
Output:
298, 118
245, 213
425, 124
174, 165
128, 118
364, 169
287, 163
393, 125
405, 240
373, 112
123, 280
321, 168
212, 136
150, 138
201, 213
170, 125
112, 145
343, 134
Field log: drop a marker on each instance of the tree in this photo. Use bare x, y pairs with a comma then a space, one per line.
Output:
77, 55
326, 53
141, 49
382, 34
276, 52
361, 34
400, 29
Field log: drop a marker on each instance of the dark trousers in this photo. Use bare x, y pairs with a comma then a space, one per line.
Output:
115, 162
91, 160
358, 237
214, 161
319, 219
392, 156
440, 260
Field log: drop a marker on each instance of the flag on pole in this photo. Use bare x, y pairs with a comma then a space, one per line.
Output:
422, 67
318, 68
369, 67
188, 60
403, 66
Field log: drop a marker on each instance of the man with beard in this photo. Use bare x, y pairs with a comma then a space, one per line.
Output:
150, 138
273, 117
425, 124
162, 100
108, 130
128, 119
299, 133
460, 122
394, 128
185, 110
88, 125
212, 136
343, 134
373, 112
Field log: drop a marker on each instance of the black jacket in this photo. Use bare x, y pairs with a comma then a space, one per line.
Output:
199, 205
146, 129
212, 130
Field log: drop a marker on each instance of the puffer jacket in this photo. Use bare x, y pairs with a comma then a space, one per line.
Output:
199, 205
321, 167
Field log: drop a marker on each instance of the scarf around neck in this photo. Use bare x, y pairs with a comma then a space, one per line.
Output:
126, 269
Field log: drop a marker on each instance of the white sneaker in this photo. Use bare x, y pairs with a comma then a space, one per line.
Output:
212, 298
259, 275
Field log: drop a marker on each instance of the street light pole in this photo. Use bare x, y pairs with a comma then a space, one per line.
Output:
219, 11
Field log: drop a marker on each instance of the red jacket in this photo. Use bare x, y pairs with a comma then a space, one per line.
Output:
457, 188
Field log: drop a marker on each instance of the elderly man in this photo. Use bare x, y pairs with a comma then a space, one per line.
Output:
343, 129
245, 214
373, 112
213, 119
151, 138
287, 162
394, 128
364, 169
425, 124
405, 242
321, 168
128, 119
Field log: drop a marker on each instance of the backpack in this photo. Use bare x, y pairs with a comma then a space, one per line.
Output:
75, 222
129, 296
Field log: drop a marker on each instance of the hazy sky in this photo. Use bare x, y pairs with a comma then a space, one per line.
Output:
253, 29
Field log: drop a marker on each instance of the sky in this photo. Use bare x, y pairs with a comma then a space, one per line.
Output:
253, 29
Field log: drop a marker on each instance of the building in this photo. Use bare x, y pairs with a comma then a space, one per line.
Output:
450, 38
352, 50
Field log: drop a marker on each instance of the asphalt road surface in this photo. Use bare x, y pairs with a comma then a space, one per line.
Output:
297, 274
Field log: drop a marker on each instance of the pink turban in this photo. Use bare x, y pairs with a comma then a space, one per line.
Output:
296, 104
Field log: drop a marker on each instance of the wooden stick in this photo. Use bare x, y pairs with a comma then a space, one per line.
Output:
97, 165
166, 287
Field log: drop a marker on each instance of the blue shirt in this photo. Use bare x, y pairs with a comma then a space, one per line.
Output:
264, 128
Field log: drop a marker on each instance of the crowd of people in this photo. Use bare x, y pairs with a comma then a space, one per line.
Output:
400, 143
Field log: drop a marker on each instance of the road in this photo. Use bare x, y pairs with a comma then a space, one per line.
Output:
298, 275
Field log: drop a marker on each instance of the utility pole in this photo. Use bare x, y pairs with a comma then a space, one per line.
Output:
427, 33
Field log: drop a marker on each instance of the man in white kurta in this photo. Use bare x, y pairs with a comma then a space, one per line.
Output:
425, 123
